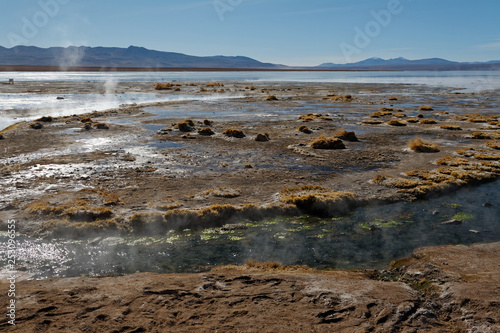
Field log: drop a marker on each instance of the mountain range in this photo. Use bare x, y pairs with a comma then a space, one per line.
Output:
403, 63
83, 57
132, 56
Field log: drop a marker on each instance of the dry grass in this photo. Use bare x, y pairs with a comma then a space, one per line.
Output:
395, 122
45, 119
164, 204
305, 129
185, 126
319, 199
86, 120
327, 143
102, 126
215, 84
207, 122
428, 121
271, 98
163, 86
482, 136
207, 131
234, 133
397, 182
345, 135
493, 144
425, 108
422, 146
400, 115
312, 116
382, 113
346, 98
393, 98
451, 127
412, 120
372, 122
262, 137
452, 161
223, 192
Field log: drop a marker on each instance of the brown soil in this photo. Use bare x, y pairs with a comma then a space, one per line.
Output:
439, 289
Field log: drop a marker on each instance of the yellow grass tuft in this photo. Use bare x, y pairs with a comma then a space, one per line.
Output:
304, 129
493, 144
422, 146
395, 122
271, 98
163, 86
327, 143
345, 135
425, 108
234, 133
451, 127
372, 122
207, 131
428, 121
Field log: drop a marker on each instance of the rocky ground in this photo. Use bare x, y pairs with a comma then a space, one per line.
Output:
439, 289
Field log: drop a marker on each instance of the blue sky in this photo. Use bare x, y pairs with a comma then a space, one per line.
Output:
291, 32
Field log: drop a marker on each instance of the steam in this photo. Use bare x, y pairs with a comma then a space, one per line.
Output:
71, 57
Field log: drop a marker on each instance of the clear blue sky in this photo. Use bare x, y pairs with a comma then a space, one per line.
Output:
291, 32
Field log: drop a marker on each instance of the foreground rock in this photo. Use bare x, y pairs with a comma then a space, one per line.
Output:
439, 289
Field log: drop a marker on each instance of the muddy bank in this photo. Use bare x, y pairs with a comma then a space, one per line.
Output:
438, 289
177, 165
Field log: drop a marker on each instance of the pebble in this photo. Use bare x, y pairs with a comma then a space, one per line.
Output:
452, 222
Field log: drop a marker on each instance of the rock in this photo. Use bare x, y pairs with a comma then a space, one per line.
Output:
1, 137
452, 222
474, 231
36, 126
87, 126
60, 98
262, 137
435, 212
487, 205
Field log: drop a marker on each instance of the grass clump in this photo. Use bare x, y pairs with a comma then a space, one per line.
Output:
234, 133
412, 120
495, 144
207, 122
382, 113
327, 143
45, 119
451, 127
86, 120
101, 126
319, 200
164, 204
305, 129
207, 131
312, 116
395, 122
425, 108
185, 126
428, 121
482, 135
271, 98
345, 135
164, 86
423, 146
372, 122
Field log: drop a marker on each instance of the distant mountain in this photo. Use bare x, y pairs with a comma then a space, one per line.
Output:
118, 57
405, 64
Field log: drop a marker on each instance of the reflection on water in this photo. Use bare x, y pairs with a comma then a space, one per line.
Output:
368, 238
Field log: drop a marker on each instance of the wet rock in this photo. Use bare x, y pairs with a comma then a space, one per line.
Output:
101, 126
60, 98
87, 126
36, 126
452, 222
474, 231
262, 137
487, 205
164, 131
1, 137
435, 212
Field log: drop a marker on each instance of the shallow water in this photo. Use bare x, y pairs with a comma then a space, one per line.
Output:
368, 238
